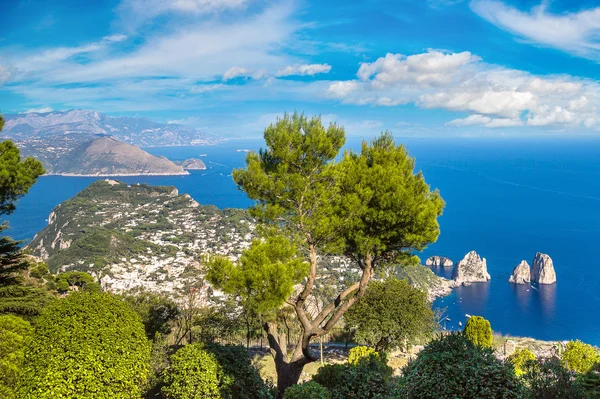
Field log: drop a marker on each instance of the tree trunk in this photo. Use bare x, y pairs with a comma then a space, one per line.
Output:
288, 374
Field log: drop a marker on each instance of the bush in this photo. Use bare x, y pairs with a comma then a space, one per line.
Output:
590, 382
519, 359
391, 314
14, 333
579, 357
359, 352
87, 345
240, 379
479, 331
452, 366
370, 378
548, 379
194, 374
308, 390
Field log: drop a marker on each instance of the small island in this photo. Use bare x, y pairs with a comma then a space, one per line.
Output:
192, 164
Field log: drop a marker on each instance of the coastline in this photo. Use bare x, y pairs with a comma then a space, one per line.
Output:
115, 174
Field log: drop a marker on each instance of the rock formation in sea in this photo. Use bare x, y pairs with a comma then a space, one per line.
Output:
439, 261
472, 269
542, 269
521, 274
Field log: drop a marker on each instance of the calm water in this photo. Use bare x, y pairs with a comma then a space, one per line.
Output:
505, 199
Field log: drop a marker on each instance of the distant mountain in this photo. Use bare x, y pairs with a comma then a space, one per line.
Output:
107, 156
81, 124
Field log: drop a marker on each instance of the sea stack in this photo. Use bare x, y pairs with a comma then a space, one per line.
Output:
472, 269
439, 261
521, 274
542, 270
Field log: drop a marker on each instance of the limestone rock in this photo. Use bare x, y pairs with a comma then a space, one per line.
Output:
521, 274
472, 269
542, 269
439, 261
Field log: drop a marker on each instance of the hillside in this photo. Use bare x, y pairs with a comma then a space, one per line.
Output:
138, 236
106, 156
82, 124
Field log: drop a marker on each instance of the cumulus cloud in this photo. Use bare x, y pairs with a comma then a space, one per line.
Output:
303, 70
494, 95
577, 33
235, 72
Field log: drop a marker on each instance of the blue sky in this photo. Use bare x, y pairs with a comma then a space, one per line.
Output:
415, 67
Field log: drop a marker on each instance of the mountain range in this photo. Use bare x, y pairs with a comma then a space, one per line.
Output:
80, 142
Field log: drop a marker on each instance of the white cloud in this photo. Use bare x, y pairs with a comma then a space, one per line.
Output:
5, 74
303, 70
115, 38
199, 89
576, 33
136, 12
496, 96
235, 72
486, 121
39, 110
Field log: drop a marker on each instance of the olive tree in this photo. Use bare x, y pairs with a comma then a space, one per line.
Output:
370, 206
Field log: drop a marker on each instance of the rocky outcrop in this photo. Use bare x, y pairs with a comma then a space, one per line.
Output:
521, 274
472, 269
542, 269
439, 261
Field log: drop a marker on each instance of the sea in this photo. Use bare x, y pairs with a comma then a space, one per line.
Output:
506, 198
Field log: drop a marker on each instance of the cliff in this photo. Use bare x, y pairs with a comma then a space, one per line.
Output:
439, 261
521, 274
471, 269
542, 269
106, 156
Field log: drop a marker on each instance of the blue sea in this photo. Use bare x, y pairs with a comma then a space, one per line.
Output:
505, 198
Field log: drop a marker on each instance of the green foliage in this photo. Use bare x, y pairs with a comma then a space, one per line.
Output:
519, 359
579, 357
16, 175
14, 332
157, 311
70, 281
548, 379
86, 345
590, 382
39, 270
24, 301
263, 278
479, 331
391, 313
385, 208
359, 352
12, 260
240, 379
194, 374
292, 178
308, 390
370, 378
452, 366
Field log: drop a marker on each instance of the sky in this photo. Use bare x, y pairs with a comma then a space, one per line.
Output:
423, 68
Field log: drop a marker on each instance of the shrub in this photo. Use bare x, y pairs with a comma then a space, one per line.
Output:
519, 359
579, 357
14, 332
479, 331
308, 390
391, 314
370, 378
452, 366
194, 374
548, 379
590, 382
240, 379
87, 345
360, 352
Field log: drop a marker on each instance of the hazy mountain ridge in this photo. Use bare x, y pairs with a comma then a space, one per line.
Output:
141, 132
